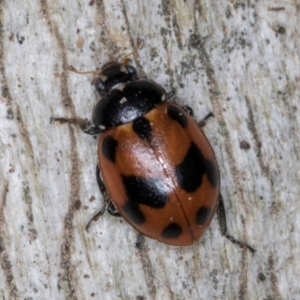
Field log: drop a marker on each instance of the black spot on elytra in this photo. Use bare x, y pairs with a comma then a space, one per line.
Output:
151, 192
148, 191
212, 172
190, 171
132, 211
172, 231
109, 147
142, 128
177, 114
202, 215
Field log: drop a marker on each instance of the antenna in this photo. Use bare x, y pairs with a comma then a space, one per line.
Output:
71, 68
134, 52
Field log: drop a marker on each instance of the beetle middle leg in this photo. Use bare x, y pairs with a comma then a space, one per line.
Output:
190, 111
223, 226
202, 122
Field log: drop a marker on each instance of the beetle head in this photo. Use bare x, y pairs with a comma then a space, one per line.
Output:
112, 75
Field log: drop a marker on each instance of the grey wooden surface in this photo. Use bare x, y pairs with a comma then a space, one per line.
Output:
238, 59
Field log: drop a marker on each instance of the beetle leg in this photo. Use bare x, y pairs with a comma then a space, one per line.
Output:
84, 125
101, 184
201, 123
96, 217
170, 95
223, 226
108, 204
112, 209
188, 109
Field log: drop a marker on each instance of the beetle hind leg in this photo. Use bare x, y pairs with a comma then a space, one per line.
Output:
108, 204
95, 217
223, 226
112, 210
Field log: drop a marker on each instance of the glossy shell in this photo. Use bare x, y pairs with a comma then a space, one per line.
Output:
161, 173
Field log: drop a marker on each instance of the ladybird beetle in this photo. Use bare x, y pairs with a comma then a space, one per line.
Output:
156, 167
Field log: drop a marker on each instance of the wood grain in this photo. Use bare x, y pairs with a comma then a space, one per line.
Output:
240, 60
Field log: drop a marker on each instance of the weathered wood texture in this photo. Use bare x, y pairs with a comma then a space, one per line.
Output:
238, 59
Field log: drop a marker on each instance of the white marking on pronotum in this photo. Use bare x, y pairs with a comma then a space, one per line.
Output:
102, 77
123, 100
119, 86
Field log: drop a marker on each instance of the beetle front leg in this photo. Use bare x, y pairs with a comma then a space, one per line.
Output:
223, 226
84, 125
